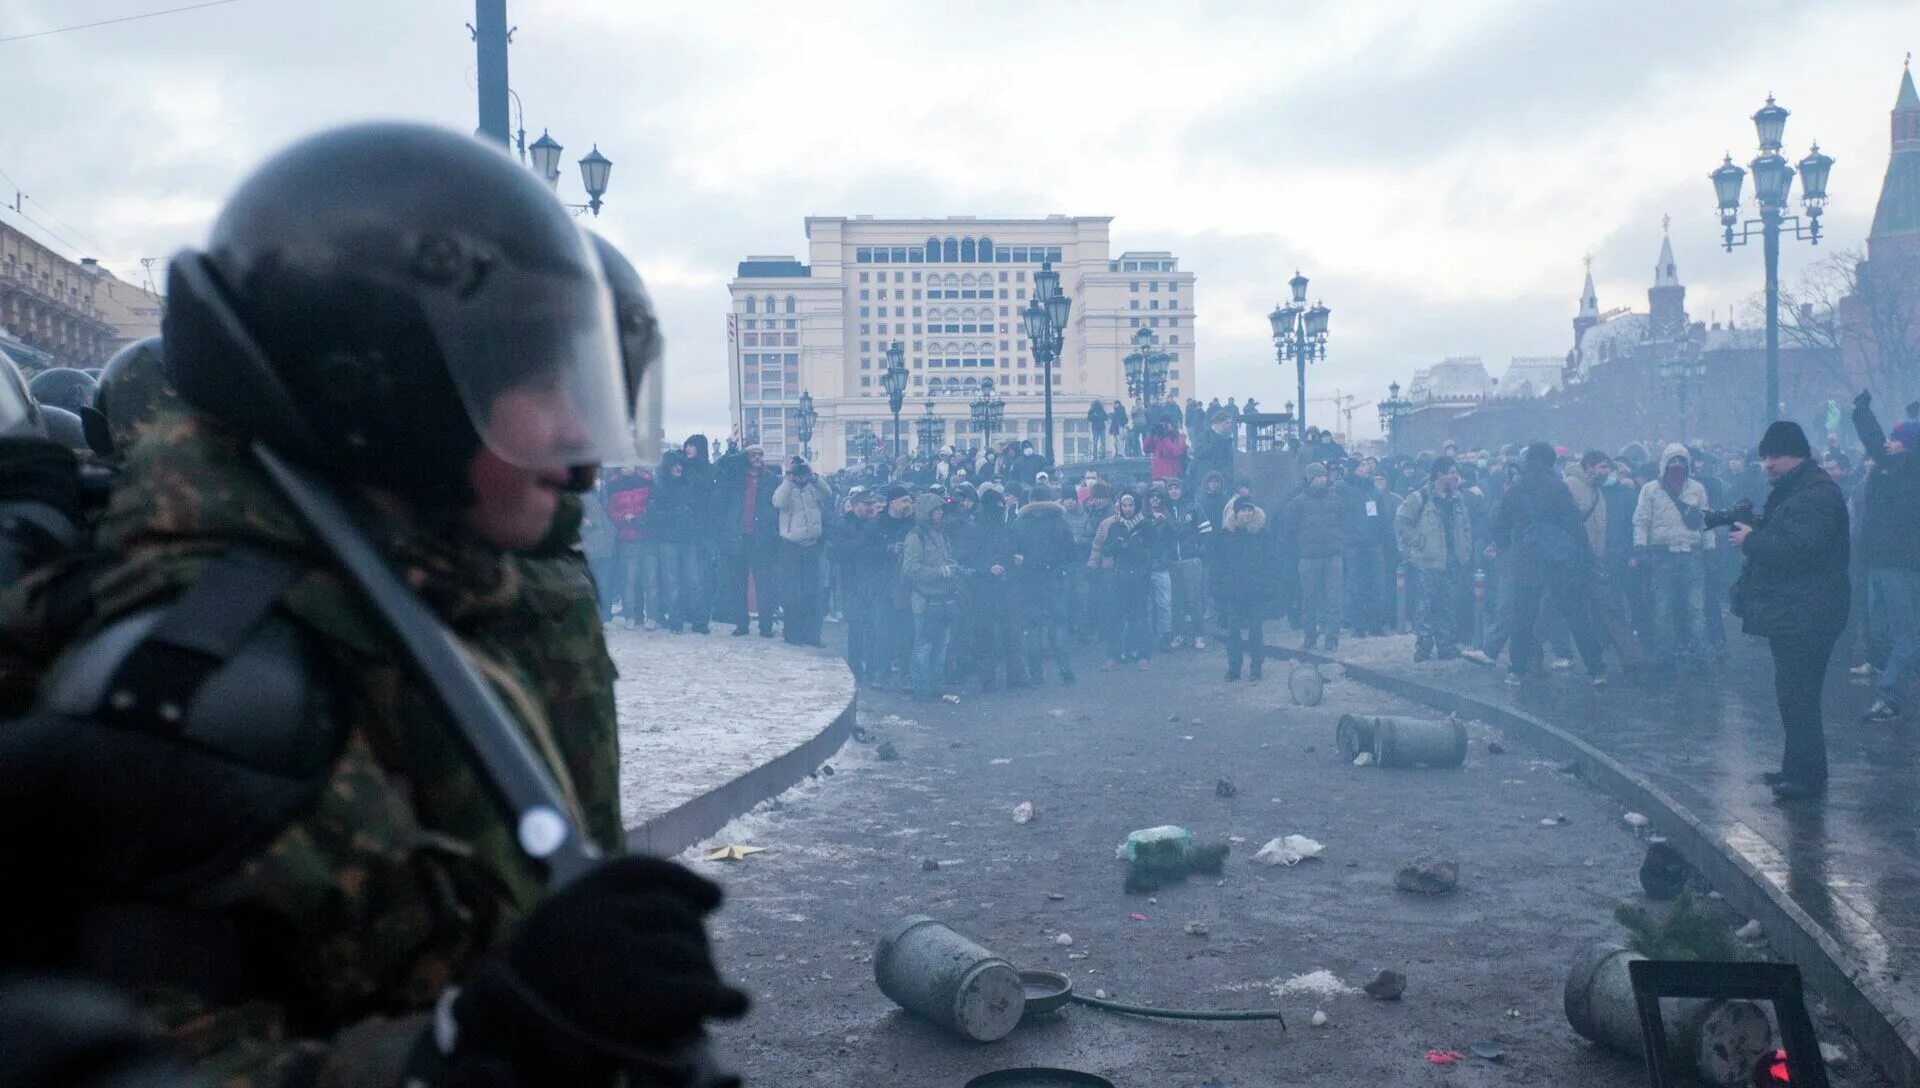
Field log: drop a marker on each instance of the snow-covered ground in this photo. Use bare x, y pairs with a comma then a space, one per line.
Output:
698, 711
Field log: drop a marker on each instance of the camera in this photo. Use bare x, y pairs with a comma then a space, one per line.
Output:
1741, 512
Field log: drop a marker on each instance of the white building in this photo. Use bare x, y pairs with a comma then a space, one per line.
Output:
950, 291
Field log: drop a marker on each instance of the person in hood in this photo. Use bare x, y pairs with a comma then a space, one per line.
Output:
1123, 550
1670, 540
805, 502
1793, 592
1044, 556
676, 510
1246, 564
1890, 548
932, 575
1542, 535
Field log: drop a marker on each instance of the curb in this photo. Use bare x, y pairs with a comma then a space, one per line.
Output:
674, 830
1886, 1036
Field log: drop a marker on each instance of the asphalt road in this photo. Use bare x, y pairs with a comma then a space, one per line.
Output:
844, 858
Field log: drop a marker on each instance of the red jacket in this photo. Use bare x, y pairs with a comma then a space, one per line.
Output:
1169, 455
628, 507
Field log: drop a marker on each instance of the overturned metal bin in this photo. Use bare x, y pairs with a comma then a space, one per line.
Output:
1718, 1041
929, 969
1403, 742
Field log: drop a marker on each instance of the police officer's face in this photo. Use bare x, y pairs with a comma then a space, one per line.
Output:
513, 507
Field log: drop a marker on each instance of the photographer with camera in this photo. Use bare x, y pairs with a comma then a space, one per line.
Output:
1890, 547
1793, 592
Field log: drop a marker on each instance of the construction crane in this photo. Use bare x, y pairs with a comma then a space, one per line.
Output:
1344, 403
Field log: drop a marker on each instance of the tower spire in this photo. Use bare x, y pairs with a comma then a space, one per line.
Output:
1589, 301
1898, 211
1664, 272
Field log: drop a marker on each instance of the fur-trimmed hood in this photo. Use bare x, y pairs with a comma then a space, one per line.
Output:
1232, 520
1049, 507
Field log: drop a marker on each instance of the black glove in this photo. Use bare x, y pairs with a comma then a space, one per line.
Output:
613, 972
1864, 400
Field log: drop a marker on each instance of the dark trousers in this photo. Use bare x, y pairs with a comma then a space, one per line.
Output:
1129, 624
995, 638
856, 604
800, 582
1244, 632
1436, 597
1799, 672
758, 562
1044, 600
1569, 598
1362, 569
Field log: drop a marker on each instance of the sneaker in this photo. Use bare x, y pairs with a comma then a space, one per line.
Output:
1600, 680
1514, 680
1176, 642
1862, 669
1882, 710
1199, 643
1560, 663
1476, 655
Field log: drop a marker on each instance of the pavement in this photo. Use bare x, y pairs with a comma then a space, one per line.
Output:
866, 840
711, 725
1837, 882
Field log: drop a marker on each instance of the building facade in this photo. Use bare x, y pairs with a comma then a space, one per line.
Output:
50, 312
950, 291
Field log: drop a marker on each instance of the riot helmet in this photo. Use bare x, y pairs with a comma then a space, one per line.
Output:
380, 299
133, 390
641, 346
65, 428
19, 412
63, 387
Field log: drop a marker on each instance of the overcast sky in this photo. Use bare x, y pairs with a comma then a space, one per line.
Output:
1438, 170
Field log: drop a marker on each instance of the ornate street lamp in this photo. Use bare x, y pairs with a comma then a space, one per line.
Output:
803, 424
1772, 185
594, 169
1146, 369
987, 412
1299, 334
929, 428
1391, 410
1681, 371
894, 381
1045, 318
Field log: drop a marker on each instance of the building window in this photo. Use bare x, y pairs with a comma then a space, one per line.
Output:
866, 381
901, 277
1151, 322
1113, 266
751, 339
1131, 266
792, 324
1134, 286
863, 255
933, 250
1153, 288
1173, 285
863, 277
1019, 254
899, 255
950, 251
864, 309
1001, 255
749, 303
1132, 304
865, 294
880, 256
1021, 277
883, 328
865, 330
1174, 339
916, 255
1133, 322
1173, 322
791, 340
899, 311
966, 251
986, 250
1053, 254
1153, 304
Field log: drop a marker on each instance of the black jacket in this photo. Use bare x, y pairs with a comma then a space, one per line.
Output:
1043, 541
1795, 580
1317, 522
1539, 530
1246, 564
730, 495
1890, 509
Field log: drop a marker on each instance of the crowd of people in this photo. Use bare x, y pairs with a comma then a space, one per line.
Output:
977, 567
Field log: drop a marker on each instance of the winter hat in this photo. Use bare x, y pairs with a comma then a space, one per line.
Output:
1907, 433
798, 463
895, 491
964, 490
1040, 493
1784, 438
859, 493
1314, 468
752, 447
1539, 455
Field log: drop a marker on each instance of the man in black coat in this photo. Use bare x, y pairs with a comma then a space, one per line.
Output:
1794, 593
748, 531
1541, 535
1044, 556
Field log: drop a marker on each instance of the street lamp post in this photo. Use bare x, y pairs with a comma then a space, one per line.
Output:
1772, 181
929, 427
1681, 369
1300, 334
594, 171
1146, 369
803, 424
1046, 322
894, 381
987, 411
1391, 410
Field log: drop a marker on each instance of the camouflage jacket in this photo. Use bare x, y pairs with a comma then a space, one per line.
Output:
404, 871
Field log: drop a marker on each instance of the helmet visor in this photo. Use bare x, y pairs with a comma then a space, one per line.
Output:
536, 359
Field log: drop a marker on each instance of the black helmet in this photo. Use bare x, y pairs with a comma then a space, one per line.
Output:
64, 427
380, 299
133, 389
641, 345
63, 387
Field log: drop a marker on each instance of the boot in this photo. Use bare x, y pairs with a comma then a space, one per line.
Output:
1422, 649
1253, 674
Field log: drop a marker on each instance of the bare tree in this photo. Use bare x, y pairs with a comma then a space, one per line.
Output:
1859, 322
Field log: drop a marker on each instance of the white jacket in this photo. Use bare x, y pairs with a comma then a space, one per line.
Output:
803, 510
1660, 523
